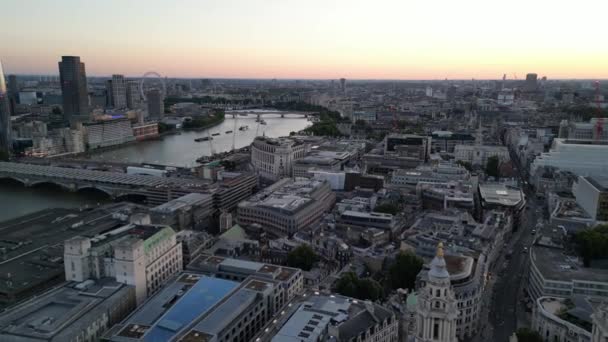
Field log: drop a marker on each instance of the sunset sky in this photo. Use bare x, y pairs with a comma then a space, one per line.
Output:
379, 39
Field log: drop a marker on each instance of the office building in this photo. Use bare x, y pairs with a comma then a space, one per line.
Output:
144, 256
446, 141
13, 92
343, 85
108, 133
156, 107
436, 304
558, 319
592, 195
5, 116
531, 83
479, 154
291, 280
555, 274
440, 173
580, 158
72, 312
191, 211
335, 318
74, 90
119, 92
320, 161
273, 158
145, 131
196, 307
133, 95
446, 195
408, 145
287, 206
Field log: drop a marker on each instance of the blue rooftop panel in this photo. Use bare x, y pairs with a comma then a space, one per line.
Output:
200, 298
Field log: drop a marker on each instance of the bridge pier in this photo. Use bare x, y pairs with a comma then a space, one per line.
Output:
282, 115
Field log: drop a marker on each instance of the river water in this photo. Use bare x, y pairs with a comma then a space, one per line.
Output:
178, 150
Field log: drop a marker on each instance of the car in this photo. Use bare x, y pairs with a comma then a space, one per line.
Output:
525, 250
533, 231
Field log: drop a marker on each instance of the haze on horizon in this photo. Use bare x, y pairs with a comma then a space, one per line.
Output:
319, 39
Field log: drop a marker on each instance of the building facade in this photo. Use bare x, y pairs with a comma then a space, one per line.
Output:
74, 90
119, 92
5, 116
592, 195
437, 311
139, 255
273, 158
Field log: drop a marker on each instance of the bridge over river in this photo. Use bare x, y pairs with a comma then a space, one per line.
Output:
156, 190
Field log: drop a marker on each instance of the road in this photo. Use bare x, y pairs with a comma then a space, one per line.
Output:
507, 298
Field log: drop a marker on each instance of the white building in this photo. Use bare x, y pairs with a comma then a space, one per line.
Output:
437, 311
580, 159
600, 324
108, 133
273, 158
592, 195
549, 319
144, 256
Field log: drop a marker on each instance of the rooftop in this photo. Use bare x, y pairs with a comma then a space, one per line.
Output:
500, 194
553, 264
62, 311
175, 307
184, 201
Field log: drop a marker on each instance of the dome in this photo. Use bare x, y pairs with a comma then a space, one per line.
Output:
438, 266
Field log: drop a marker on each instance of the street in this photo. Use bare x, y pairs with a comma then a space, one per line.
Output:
507, 306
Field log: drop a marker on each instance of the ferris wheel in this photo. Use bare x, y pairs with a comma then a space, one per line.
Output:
152, 80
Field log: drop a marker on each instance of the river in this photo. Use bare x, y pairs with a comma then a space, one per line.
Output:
182, 150
177, 150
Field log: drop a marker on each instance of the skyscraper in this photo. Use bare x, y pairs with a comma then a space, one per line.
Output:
155, 104
133, 98
343, 85
13, 92
531, 82
74, 89
5, 116
119, 92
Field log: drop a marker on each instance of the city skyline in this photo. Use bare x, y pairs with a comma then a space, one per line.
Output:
316, 40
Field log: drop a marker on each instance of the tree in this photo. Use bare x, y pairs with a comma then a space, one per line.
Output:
528, 335
592, 243
402, 273
351, 286
302, 257
466, 165
492, 167
387, 208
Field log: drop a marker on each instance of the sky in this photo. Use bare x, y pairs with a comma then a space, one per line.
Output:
309, 39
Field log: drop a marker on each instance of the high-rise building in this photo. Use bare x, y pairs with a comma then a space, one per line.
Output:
119, 92
74, 89
5, 116
155, 104
343, 85
531, 82
13, 92
133, 98
437, 310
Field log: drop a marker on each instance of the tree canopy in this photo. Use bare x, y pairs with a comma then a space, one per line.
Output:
492, 165
593, 243
528, 335
352, 286
387, 208
402, 273
302, 257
